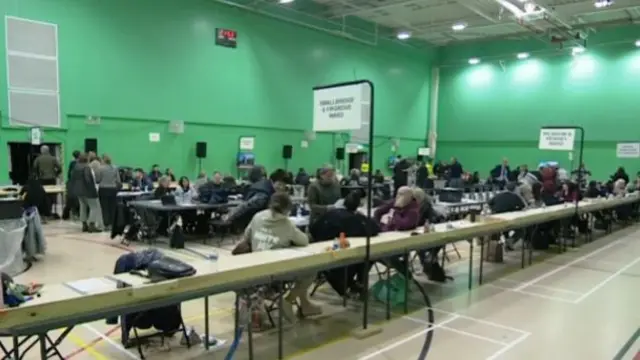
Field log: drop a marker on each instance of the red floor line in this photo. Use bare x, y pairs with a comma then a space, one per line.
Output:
91, 343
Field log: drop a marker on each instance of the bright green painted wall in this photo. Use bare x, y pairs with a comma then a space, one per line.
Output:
490, 110
139, 64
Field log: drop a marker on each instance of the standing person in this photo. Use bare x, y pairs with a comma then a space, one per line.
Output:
110, 184
455, 174
400, 174
47, 168
83, 186
72, 203
323, 193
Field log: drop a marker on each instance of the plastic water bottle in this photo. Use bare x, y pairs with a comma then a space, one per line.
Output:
299, 211
213, 258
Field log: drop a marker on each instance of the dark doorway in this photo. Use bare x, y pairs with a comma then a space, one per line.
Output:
356, 160
21, 157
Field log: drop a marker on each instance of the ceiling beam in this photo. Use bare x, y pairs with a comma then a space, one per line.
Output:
361, 11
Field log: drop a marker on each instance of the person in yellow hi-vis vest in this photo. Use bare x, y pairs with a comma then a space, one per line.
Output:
429, 166
364, 167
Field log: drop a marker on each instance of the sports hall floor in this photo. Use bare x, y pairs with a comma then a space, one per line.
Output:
582, 304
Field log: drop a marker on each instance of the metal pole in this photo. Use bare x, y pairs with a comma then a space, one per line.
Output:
367, 259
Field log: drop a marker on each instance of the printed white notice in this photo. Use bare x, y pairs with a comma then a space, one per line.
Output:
424, 151
628, 150
154, 137
557, 139
351, 148
341, 108
247, 143
304, 144
36, 136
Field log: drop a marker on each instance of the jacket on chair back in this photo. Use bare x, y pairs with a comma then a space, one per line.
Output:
336, 221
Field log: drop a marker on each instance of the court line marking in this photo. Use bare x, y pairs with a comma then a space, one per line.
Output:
607, 280
460, 332
402, 341
530, 293
550, 288
566, 266
88, 348
509, 346
481, 321
110, 341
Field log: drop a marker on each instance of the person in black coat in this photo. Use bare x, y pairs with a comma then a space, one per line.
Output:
34, 195
352, 223
508, 201
400, 174
83, 186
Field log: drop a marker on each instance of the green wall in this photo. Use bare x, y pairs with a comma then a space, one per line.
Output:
139, 64
495, 109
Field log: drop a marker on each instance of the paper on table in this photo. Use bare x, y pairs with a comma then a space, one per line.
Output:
92, 286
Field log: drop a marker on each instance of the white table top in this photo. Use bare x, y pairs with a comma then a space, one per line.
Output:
61, 301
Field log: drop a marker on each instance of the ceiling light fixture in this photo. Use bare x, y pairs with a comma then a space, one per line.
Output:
403, 35
638, 43
577, 50
474, 61
285, 1
529, 7
603, 3
459, 26
523, 55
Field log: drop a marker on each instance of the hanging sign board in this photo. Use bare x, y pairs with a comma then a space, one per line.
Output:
557, 139
247, 143
36, 136
628, 150
341, 108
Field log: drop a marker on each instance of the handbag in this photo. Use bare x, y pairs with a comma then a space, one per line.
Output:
169, 268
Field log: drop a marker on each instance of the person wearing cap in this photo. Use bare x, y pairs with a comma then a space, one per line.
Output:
323, 193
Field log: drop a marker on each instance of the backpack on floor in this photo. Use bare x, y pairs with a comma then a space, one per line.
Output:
392, 288
435, 272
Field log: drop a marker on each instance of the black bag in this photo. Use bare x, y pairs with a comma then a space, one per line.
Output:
177, 238
435, 272
169, 268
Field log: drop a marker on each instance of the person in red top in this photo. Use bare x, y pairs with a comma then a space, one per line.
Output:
569, 192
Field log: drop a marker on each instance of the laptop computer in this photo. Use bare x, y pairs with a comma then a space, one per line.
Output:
168, 200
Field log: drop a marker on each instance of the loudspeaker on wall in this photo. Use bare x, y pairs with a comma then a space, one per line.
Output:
91, 144
287, 151
201, 150
340, 153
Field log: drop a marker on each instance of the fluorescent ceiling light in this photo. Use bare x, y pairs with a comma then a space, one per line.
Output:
403, 35
577, 50
285, 1
474, 61
529, 7
603, 3
459, 26
638, 43
523, 55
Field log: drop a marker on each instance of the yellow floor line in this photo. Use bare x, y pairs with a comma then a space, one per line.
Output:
88, 348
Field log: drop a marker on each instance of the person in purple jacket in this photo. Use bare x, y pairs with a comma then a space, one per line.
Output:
399, 214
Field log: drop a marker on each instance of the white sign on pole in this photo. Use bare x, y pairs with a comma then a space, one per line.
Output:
424, 151
628, 150
247, 143
557, 139
352, 148
341, 108
36, 136
154, 137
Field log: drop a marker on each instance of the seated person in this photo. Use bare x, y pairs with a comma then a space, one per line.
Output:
155, 174
352, 223
213, 191
620, 174
399, 214
169, 173
508, 201
378, 177
526, 177
272, 229
594, 190
323, 193
302, 178
428, 215
141, 182
185, 193
256, 199
163, 188
526, 192
353, 179
569, 192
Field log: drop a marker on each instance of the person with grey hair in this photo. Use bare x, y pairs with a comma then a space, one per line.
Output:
47, 169
323, 193
82, 185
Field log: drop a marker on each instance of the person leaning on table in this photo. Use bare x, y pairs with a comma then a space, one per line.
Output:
272, 229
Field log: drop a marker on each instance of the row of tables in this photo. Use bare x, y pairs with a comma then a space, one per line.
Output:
64, 306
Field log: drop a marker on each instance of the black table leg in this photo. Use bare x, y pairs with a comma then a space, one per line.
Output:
481, 260
206, 323
470, 264
280, 323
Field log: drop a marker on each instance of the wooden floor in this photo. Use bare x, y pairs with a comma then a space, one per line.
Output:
578, 305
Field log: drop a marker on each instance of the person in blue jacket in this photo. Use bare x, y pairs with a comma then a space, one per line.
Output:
141, 182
